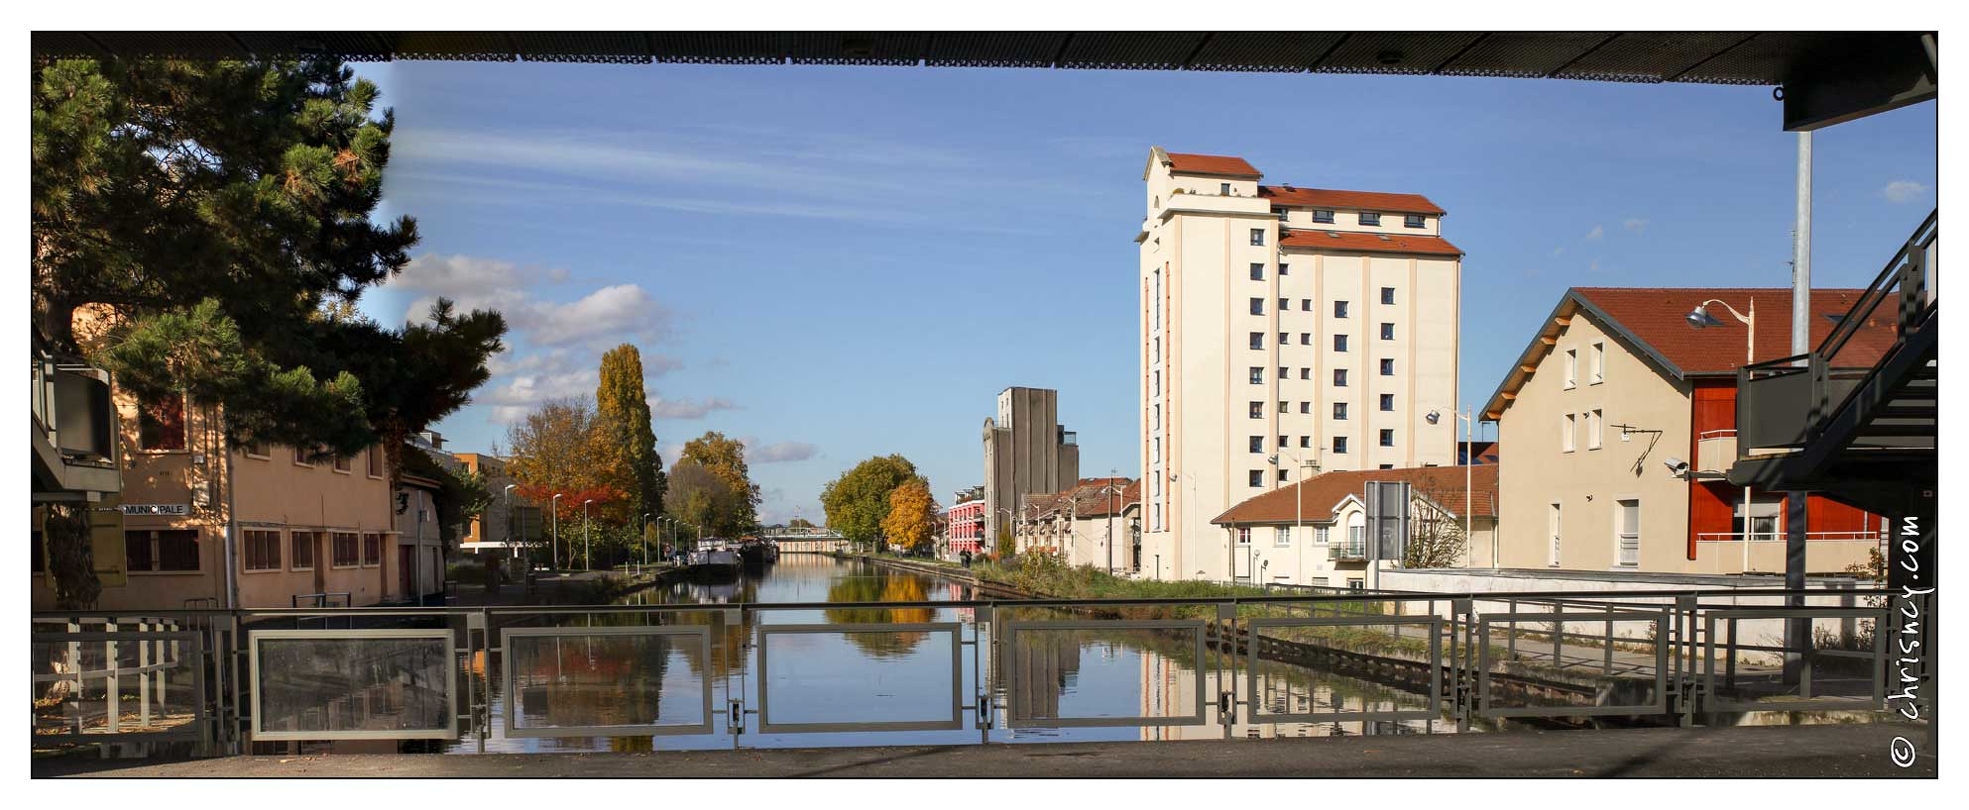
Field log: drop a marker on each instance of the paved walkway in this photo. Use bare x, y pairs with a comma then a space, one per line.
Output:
1791, 751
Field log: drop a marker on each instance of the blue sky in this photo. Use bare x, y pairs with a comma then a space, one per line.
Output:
834, 263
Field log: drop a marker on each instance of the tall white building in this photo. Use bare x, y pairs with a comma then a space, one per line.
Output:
1282, 327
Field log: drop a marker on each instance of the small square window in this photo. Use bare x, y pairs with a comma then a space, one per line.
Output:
1257, 444
1339, 309
1339, 343
1340, 410
1258, 236
1285, 305
1387, 295
1281, 267
1387, 438
1305, 441
1369, 218
1284, 372
1257, 375
1413, 221
341, 464
1257, 478
1257, 306
1257, 271
1305, 407
1282, 441
1323, 217
1281, 475
1339, 444
1340, 377
1224, 189
301, 457
1257, 340
1305, 373
1257, 410
1284, 407
1387, 402
1285, 338
1387, 466
1387, 331
1305, 338
1387, 367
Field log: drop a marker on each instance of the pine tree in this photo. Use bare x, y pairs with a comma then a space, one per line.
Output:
628, 442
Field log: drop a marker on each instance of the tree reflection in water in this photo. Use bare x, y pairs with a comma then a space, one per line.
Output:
580, 680
881, 587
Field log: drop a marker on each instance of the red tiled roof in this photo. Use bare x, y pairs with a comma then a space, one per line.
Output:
1369, 242
1657, 316
1352, 200
1321, 494
1211, 164
1086, 498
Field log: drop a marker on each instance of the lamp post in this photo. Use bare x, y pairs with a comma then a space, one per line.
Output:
1469, 461
587, 562
644, 536
557, 530
509, 517
1298, 503
1699, 318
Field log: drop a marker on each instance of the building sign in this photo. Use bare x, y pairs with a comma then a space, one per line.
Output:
1387, 519
179, 509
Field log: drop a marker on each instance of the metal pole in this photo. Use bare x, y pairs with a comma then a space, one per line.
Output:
1469, 490
555, 505
1797, 631
232, 533
587, 562
1750, 356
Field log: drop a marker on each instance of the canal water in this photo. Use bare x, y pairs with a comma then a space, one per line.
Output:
803, 674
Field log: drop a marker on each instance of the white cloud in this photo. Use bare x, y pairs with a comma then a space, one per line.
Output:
1594, 266
780, 451
1636, 225
1595, 234
1904, 191
1558, 250
607, 314
687, 409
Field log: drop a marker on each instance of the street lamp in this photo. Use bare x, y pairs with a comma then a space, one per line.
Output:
1114, 510
644, 537
587, 562
1699, 318
1298, 505
557, 530
509, 518
1469, 461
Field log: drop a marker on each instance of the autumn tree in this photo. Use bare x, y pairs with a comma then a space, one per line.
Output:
626, 441
212, 218
799, 523
858, 500
700, 497
725, 458
912, 516
552, 452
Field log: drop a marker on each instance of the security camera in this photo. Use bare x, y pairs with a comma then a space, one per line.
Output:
1676, 466
1433, 417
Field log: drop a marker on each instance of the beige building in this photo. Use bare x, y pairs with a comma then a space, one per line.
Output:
305, 527
1282, 327
492, 526
1321, 540
1621, 420
1026, 452
1091, 523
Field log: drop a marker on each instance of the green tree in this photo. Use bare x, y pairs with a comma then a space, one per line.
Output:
1006, 547
858, 500
212, 220
626, 447
912, 516
800, 523
700, 497
725, 458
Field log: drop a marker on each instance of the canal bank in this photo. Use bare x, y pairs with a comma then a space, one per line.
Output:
1800, 751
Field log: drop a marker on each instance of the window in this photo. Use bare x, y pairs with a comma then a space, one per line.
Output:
1305, 373
1282, 270
1305, 305
1387, 331
341, 464
1370, 218
1244, 536
1282, 441
1285, 305
1323, 217
1387, 366
1284, 407
1339, 343
1224, 189
262, 550
1339, 309
1281, 535
1387, 402
1257, 444
302, 544
1340, 378
1282, 476
40, 551
1257, 271
1593, 429
259, 449
1257, 410
1305, 407
1552, 526
1412, 221
1386, 467
1257, 340
1257, 375
1157, 389
1285, 338
161, 550
372, 548
1597, 372
1284, 372
1257, 478
161, 423
301, 457
1257, 306
1319, 537
1157, 425
345, 549
1356, 583
1387, 437
1305, 338
375, 461
1258, 236
1157, 306
1766, 519
1627, 528
1158, 450
1340, 410
1572, 367
1568, 426
1306, 441
1387, 295
1339, 444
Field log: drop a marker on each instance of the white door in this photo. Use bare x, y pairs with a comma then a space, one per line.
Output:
1552, 527
1627, 519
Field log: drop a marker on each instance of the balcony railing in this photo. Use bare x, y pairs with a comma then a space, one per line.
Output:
1716, 450
1347, 550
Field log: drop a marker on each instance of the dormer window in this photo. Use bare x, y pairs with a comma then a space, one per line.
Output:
1368, 218
1323, 217
1224, 189
1413, 221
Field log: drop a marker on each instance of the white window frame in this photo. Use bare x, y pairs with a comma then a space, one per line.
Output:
1281, 536
1598, 364
1572, 369
1568, 432
1555, 518
1594, 425
1622, 537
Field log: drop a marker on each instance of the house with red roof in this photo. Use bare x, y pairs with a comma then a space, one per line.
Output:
1621, 418
1314, 532
1093, 523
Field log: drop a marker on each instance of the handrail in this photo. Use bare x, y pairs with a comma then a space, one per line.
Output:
1876, 292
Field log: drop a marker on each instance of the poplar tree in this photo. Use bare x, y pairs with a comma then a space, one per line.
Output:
627, 442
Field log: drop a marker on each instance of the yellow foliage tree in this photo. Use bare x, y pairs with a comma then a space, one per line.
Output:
911, 513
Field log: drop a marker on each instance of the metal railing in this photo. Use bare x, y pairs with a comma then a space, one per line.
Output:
983, 671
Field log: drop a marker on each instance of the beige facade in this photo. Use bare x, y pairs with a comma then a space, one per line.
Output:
1270, 340
1026, 451
305, 528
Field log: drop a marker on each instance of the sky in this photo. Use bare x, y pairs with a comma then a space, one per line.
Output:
835, 263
